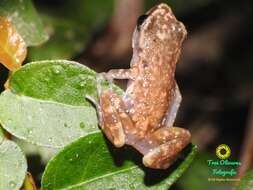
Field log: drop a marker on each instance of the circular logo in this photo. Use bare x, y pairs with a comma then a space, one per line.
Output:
223, 151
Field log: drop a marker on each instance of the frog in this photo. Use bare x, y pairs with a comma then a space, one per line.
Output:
144, 115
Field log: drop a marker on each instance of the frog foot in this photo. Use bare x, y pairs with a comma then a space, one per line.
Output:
172, 140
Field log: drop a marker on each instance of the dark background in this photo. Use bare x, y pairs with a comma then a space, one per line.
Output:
214, 74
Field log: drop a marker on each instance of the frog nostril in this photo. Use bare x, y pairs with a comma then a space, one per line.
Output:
140, 20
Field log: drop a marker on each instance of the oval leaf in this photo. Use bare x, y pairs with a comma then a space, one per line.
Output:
89, 163
13, 166
12, 46
24, 17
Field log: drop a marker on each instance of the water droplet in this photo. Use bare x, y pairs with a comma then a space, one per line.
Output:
71, 159
50, 139
70, 137
132, 187
12, 184
57, 69
82, 84
30, 131
82, 125
77, 155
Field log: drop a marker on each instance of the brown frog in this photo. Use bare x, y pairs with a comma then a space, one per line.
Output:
143, 117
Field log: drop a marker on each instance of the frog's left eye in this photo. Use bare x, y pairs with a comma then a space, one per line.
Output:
140, 20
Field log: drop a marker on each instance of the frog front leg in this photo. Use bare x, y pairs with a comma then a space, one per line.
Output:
113, 114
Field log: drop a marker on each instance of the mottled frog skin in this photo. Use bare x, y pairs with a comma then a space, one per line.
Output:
143, 117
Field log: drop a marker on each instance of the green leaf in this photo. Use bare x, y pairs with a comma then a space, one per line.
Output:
43, 122
24, 17
46, 104
246, 182
13, 166
57, 80
92, 163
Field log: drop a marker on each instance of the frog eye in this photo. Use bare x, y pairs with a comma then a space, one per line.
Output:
140, 20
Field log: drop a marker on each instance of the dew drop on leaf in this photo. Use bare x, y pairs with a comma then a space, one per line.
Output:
82, 125
83, 84
30, 131
57, 69
12, 184
132, 187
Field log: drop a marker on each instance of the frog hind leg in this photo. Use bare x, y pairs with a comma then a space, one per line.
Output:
161, 148
107, 110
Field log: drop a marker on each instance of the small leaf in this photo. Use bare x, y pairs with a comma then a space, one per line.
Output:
12, 46
89, 163
246, 182
13, 166
22, 14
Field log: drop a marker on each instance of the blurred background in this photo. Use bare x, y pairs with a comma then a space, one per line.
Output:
214, 74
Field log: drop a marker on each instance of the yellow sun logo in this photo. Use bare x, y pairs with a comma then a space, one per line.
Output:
223, 151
